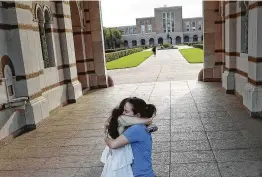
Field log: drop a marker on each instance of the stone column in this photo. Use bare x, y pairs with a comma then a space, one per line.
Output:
228, 78
210, 15
74, 88
99, 78
252, 97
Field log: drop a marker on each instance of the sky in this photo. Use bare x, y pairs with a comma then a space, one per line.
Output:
124, 12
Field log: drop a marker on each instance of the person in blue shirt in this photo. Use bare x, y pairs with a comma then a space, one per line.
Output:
138, 136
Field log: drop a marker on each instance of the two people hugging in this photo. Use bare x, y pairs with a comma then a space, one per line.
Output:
129, 149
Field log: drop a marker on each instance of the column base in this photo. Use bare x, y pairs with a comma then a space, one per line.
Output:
36, 110
252, 100
228, 82
74, 91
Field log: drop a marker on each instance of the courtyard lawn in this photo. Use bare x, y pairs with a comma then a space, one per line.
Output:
129, 61
193, 55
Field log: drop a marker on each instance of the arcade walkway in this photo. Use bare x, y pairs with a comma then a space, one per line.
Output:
202, 133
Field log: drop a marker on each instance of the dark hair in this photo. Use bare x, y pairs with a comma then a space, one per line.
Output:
139, 107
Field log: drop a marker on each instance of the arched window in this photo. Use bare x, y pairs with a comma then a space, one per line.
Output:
43, 16
49, 37
195, 38
244, 26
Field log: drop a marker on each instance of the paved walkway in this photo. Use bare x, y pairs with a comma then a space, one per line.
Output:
168, 65
202, 133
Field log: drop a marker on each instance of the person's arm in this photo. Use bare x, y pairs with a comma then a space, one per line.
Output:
130, 120
117, 143
131, 135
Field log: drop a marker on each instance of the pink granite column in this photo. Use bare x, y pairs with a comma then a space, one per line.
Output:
99, 78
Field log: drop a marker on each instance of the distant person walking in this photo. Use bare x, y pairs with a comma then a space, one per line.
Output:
154, 50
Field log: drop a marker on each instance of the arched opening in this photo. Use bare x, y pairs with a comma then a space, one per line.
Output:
178, 40
202, 38
143, 42
160, 41
8, 73
151, 42
186, 39
170, 40
134, 43
195, 38
125, 43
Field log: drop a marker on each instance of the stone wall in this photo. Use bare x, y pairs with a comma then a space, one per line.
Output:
49, 87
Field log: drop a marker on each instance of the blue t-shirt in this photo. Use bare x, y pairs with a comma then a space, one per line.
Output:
141, 143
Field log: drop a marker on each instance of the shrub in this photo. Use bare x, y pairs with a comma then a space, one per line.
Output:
200, 46
115, 55
114, 50
167, 45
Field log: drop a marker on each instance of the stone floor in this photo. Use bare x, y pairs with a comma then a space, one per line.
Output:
168, 65
203, 132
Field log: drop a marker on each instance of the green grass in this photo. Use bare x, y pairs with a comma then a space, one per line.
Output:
129, 61
193, 55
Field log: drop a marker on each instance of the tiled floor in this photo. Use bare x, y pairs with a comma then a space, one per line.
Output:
203, 132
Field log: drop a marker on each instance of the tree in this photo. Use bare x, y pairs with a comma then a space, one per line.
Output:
112, 37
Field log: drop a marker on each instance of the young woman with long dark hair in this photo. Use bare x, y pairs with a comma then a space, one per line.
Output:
118, 155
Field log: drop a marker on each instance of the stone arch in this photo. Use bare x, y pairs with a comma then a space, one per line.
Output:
195, 38
47, 14
38, 13
178, 40
134, 43
125, 43
143, 42
160, 41
5, 60
186, 39
6, 67
151, 42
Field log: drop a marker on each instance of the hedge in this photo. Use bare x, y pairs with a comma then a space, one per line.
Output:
115, 55
114, 50
190, 43
200, 46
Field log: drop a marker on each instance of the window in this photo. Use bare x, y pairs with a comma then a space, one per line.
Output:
149, 28
142, 29
130, 30
199, 25
44, 18
193, 26
173, 21
244, 27
187, 26
164, 15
